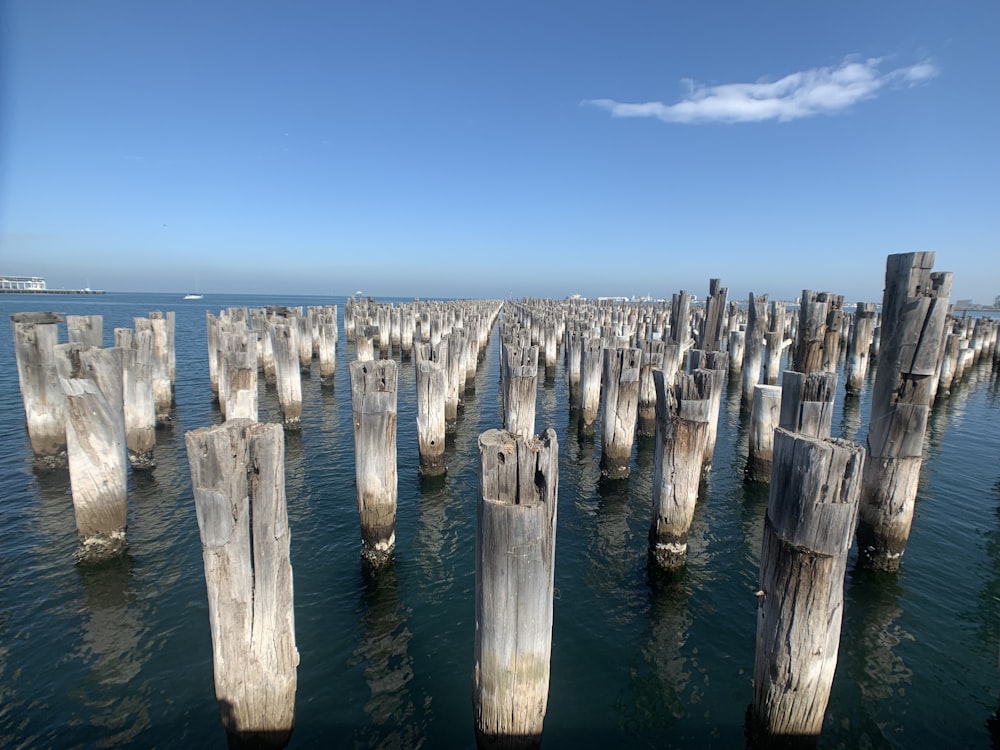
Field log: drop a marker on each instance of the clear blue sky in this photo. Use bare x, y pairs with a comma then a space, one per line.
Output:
486, 149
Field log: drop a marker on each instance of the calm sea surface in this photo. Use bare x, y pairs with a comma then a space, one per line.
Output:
120, 655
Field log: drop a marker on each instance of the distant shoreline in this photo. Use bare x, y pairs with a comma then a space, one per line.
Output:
51, 291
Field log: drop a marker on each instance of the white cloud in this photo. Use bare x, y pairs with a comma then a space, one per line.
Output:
810, 92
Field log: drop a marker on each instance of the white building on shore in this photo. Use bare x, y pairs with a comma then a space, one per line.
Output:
23, 283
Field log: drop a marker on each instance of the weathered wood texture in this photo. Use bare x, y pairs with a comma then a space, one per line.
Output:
859, 347
808, 354
737, 348
87, 330
756, 328
515, 564
35, 339
764, 418
284, 337
239, 376
807, 402
430, 380
620, 402
98, 465
775, 342
238, 480
652, 359
373, 400
519, 380
914, 312
591, 368
711, 331
717, 363
683, 408
811, 512
137, 388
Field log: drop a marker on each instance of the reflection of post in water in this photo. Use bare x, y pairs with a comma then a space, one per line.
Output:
383, 639
111, 646
989, 601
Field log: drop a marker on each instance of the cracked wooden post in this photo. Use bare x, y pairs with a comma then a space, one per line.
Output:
711, 331
591, 367
807, 402
764, 418
808, 352
431, 385
810, 520
914, 312
834, 332
754, 349
137, 390
515, 565
238, 481
326, 332
35, 337
573, 351
373, 400
949, 363
858, 348
717, 363
683, 406
238, 381
519, 380
652, 359
96, 453
737, 348
775, 342
619, 408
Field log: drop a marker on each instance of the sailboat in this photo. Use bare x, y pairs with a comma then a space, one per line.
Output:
194, 294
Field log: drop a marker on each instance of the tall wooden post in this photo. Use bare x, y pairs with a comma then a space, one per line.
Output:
812, 331
775, 342
858, 347
327, 346
519, 370
737, 348
807, 534
373, 400
620, 406
35, 339
914, 311
710, 335
764, 418
573, 350
756, 328
683, 407
515, 565
430, 378
807, 402
238, 480
591, 367
285, 345
98, 466
137, 389
652, 359
238, 375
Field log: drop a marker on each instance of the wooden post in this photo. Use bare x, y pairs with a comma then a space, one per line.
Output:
620, 405
373, 400
515, 564
756, 328
682, 414
764, 418
35, 339
710, 335
812, 331
137, 391
327, 332
284, 343
86, 330
833, 336
652, 359
98, 467
591, 367
430, 378
238, 375
807, 534
573, 349
949, 363
238, 480
775, 342
807, 402
680, 319
858, 347
519, 371
914, 312
737, 348
717, 363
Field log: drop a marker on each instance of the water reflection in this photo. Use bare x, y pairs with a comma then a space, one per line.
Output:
383, 638
112, 646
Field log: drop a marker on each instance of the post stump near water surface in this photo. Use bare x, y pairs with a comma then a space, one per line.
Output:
35, 337
914, 312
811, 513
764, 418
430, 380
237, 475
373, 401
519, 380
620, 408
515, 565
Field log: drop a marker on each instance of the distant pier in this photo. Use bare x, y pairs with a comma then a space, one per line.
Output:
36, 285
51, 291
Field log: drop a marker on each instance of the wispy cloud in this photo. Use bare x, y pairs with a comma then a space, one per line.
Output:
797, 95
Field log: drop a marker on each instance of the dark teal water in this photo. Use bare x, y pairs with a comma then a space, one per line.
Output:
120, 655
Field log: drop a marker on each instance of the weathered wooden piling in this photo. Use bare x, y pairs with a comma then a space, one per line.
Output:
327, 348
573, 350
652, 359
238, 480
683, 407
35, 337
98, 464
834, 332
807, 402
620, 405
159, 367
775, 342
591, 369
754, 351
137, 389
737, 348
431, 384
238, 384
710, 333
949, 363
764, 418
515, 564
364, 343
716, 362
811, 513
373, 400
87, 330
914, 312
519, 380
859, 347
285, 345
813, 310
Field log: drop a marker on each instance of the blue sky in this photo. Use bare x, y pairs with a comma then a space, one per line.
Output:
491, 149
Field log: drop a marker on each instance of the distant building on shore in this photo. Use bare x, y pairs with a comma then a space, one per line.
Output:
23, 283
